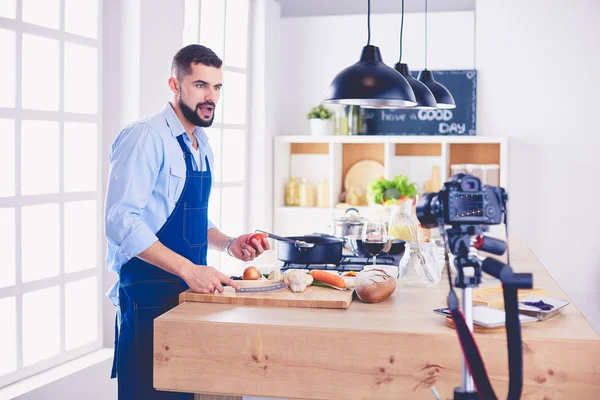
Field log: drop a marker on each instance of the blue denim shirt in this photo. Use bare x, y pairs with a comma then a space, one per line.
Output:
146, 178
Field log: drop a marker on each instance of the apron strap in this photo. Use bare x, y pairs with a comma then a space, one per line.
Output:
207, 166
186, 153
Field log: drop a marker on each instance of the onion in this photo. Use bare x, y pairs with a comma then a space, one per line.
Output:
251, 274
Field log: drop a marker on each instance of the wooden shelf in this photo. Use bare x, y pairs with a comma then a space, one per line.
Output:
309, 148
331, 157
418, 149
474, 153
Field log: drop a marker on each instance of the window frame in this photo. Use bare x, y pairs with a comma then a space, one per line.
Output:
18, 201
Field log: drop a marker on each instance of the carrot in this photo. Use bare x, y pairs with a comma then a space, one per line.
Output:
327, 277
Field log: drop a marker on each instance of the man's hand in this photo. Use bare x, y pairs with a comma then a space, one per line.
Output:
203, 279
245, 252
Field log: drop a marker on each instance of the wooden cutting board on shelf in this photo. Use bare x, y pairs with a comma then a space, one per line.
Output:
312, 297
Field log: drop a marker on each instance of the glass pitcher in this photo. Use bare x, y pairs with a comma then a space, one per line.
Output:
417, 267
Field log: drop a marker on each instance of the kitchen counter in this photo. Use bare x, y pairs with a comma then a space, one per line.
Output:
394, 349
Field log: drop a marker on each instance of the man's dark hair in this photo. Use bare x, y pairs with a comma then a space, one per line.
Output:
193, 53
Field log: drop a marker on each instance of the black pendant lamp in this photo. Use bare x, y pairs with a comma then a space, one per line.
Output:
442, 95
370, 83
423, 95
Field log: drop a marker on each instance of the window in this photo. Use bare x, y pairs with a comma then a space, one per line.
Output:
50, 198
223, 26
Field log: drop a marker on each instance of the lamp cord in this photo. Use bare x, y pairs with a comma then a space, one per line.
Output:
401, 29
369, 22
426, 34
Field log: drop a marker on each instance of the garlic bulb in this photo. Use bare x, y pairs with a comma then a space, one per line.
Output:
275, 275
308, 278
286, 277
297, 283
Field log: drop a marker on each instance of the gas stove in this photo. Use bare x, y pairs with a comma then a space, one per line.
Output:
347, 263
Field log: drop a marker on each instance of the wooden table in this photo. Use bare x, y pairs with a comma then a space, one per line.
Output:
395, 349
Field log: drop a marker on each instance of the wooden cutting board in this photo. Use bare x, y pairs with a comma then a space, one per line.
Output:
493, 296
312, 297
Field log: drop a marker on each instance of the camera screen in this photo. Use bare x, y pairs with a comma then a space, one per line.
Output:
468, 205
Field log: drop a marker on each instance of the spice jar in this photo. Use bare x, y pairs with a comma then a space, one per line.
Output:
292, 192
307, 194
323, 193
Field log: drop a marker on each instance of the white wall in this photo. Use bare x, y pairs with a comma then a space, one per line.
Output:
265, 70
538, 64
315, 49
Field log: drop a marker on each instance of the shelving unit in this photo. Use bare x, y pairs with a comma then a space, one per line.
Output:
331, 157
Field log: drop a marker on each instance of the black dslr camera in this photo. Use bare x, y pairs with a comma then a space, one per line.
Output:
463, 201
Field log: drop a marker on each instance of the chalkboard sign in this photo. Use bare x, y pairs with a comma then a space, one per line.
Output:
458, 121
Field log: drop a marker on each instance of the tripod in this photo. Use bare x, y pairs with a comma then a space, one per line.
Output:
469, 268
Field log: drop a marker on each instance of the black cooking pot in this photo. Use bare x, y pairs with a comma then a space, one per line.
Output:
326, 250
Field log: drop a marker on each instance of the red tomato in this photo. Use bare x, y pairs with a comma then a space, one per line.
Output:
257, 236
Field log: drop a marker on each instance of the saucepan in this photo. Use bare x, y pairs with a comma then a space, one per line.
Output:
308, 249
349, 224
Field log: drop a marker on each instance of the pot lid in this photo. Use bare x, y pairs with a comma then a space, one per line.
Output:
351, 217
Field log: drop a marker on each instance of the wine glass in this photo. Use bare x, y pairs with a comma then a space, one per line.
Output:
374, 237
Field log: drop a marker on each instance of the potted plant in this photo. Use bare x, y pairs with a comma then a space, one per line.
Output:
321, 121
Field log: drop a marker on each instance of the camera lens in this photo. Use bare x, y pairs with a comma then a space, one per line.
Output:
428, 210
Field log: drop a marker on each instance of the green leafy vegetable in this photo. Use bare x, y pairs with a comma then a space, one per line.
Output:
381, 190
391, 193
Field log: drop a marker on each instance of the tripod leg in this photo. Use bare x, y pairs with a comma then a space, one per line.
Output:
467, 307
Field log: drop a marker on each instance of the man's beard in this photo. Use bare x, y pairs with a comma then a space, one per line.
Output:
192, 115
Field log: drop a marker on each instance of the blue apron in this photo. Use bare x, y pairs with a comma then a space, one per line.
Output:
146, 291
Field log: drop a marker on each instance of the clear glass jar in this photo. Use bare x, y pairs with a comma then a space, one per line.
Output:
491, 174
292, 192
416, 267
307, 193
341, 123
323, 193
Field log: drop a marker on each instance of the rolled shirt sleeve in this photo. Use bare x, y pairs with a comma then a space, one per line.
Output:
135, 162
